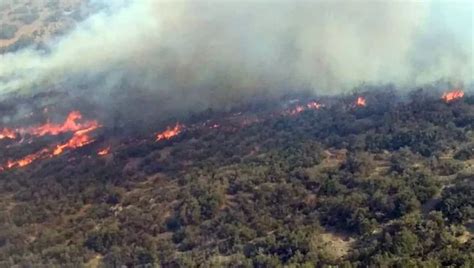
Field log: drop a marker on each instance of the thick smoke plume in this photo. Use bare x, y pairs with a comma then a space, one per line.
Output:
202, 54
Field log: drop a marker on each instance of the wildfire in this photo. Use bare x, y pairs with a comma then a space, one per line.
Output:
361, 102
104, 151
452, 95
80, 138
7, 134
170, 132
313, 105
69, 125
27, 159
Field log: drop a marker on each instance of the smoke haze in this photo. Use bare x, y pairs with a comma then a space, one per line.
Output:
204, 54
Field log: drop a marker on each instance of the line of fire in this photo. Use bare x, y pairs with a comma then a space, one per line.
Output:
81, 131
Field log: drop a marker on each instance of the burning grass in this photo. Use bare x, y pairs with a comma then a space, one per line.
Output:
170, 132
452, 95
74, 123
81, 129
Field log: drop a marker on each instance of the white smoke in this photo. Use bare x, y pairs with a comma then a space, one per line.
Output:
206, 51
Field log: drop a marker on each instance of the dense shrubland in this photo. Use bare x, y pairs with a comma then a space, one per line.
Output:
391, 183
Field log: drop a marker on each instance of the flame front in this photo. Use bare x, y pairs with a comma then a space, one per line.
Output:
452, 95
170, 132
69, 125
80, 138
7, 133
313, 105
27, 159
361, 102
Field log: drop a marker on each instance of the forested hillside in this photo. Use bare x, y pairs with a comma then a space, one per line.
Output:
377, 178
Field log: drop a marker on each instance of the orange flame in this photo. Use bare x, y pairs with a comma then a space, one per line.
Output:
26, 160
313, 105
104, 151
80, 138
452, 95
361, 102
69, 125
170, 132
7, 134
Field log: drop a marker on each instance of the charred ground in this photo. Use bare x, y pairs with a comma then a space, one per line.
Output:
331, 180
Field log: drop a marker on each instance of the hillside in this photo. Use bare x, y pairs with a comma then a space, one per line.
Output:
376, 178
25, 23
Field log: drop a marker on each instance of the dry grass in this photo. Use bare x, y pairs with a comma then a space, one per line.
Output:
335, 246
94, 262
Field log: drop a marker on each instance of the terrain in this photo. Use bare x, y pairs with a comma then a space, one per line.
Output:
373, 178
26, 23
236, 134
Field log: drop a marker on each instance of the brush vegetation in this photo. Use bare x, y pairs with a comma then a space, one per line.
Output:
386, 185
